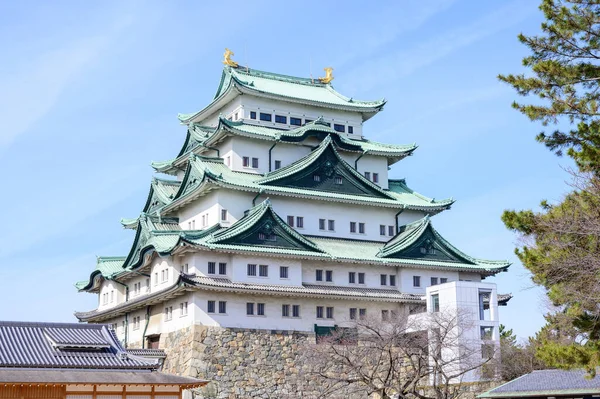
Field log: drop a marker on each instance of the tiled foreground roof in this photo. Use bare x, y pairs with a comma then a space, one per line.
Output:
547, 383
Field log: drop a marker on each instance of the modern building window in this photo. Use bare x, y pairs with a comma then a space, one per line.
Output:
484, 297
352, 313
416, 281
265, 117
375, 177
391, 231
250, 308
352, 227
295, 121
290, 221
252, 115
316, 177
260, 309
321, 224
361, 278
443, 280
263, 270
338, 180
329, 312
281, 119
383, 279
319, 312
331, 225
319, 275
251, 270
222, 307
329, 275
434, 281
246, 162
339, 128
362, 313
284, 271
255, 163
183, 309
392, 280
210, 308
368, 175
277, 164
381, 229
361, 228
385, 315
212, 266
295, 310
300, 222
285, 310
351, 129
223, 214
435, 303
352, 277
222, 268
487, 332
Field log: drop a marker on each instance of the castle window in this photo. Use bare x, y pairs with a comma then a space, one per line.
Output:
284, 271
300, 222
352, 227
416, 281
353, 313
263, 270
168, 313
235, 116
329, 275
321, 224
136, 323
316, 178
184, 269
251, 270
339, 128
222, 268
362, 313
319, 312
250, 309
270, 237
212, 267
319, 275
246, 162
295, 310
285, 310
383, 279
295, 121
338, 180
252, 115
361, 228
434, 281
210, 308
385, 315
361, 278
223, 214
307, 121
443, 280
392, 280
391, 231
265, 117
156, 278
368, 175
382, 229
290, 221
255, 163
260, 309
331, 225
351, 129
183, 309
277, 164
281, 119
352, 277
222, 307
329, 312
375, 177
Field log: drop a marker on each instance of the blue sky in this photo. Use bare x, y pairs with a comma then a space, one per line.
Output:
89, 94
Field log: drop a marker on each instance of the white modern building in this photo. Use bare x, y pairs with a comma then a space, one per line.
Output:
278, 214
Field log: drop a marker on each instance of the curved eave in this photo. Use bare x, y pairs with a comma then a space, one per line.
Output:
219, 102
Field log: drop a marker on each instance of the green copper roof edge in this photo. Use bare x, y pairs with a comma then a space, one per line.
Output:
402, 182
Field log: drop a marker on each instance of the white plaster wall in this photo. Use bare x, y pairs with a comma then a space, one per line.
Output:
369, 163
288, 153
240, 270
341, 270
406, 279
227, 111
172, 268
118, 291
207, 205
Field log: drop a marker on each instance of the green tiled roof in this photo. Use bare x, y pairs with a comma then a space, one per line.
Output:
200, 138
106, 266
162, 192
281, 87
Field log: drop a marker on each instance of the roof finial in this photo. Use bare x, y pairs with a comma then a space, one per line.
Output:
328, 75
227, 58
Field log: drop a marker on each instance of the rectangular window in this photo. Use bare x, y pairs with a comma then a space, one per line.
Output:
435, 303
156, 278
223, 214
319, 312
381, 229
255, 163
228, 161
487, 332
361, 228
319, 275
296, 311
295, 121
183, 309
339, 128
185, 268
307, 121
212, 267
277, 164
338, 180
352, 227
300, 222
284, 272
246, 162
251, 270
392, 280
329, 275
331, 225
252, 115
222, 268
321, 224
352, 277
290, 221
352, 313
265, 117
260, 309
443, 280
222, 307
385, 315
434, 281
285, 310
375, 177
484, 305
329, 312
351, 129
210, 308
168, 313
250, 308
263, 270
316, 177
362, 313
368, 175
281, 119
361, 278
416, 281
383, 279
391, 231
235, 116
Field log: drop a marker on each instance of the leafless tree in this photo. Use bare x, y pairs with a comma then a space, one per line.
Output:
423, 356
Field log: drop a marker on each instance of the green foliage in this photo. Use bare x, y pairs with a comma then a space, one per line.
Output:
565, 76
516, 359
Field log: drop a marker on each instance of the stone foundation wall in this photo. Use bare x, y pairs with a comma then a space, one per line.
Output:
242, 363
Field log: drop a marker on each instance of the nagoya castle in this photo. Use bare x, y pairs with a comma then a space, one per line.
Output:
278, 216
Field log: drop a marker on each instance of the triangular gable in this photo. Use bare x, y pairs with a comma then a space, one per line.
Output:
263, 227
419, 240
324, 170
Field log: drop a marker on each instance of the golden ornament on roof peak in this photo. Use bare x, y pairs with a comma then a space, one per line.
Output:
227, 58
328, 75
